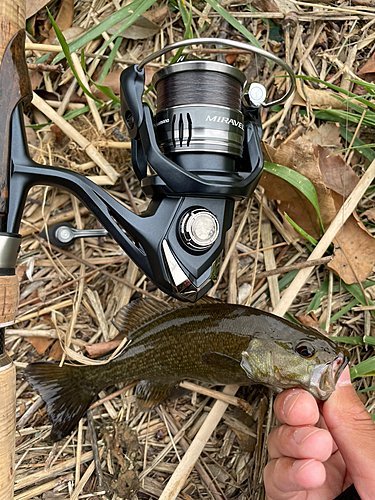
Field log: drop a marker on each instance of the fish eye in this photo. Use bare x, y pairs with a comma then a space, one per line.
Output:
305, 350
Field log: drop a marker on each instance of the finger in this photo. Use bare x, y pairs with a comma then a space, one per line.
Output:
300, 442
353, 430
285, 476
296, 407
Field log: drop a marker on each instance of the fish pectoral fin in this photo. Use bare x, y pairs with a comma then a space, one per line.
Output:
221, 362
150, 393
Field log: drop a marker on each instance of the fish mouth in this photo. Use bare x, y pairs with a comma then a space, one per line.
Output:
324, 377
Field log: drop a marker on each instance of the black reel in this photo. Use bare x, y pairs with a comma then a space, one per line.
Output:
198, 154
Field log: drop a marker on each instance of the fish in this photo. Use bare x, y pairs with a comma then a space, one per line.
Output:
210, 341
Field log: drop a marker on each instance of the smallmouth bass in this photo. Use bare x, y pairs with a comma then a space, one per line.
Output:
209, 341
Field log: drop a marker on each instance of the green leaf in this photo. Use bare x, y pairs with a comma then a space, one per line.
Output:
371, 388
356, 291
187, 18
301, 231
369, 340
319, 294
103, 88
363, 368
339, 89
110, 59
233, 22
299, 181
287, 279
65, 48
348, 136
130, 12
291, 318
343, 311
76, 112
349, 340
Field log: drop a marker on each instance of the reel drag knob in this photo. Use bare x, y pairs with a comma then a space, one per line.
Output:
199, 229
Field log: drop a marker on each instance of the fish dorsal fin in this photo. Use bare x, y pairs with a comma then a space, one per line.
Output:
150, 393
138, 313
141, 311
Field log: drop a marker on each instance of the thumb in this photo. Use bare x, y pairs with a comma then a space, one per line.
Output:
353, 430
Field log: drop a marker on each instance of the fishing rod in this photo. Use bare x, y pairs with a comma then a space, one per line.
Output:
194, 158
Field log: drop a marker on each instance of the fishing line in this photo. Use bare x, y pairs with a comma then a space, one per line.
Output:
199, 87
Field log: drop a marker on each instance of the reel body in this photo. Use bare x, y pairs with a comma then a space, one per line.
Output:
194, 158
203, 144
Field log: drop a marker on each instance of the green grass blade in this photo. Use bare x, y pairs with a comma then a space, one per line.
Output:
287, 279
371, 388
299, 181
338, 89
233, 22
356, 291
110, 59
318, 296
146, 4
187, 18
130, 13
103, 88
363, 368
343, 311
65, 48
301, 231
348, 136
370, 87
358, 340
368, 340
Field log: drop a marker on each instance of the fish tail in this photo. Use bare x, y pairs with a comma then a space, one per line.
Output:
66, 392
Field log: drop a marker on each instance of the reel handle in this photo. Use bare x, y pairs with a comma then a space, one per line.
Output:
236, 45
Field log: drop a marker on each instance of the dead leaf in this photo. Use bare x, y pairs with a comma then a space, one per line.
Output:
332, 178
41, 344
36, 79
34, 6
56, 351
283, 6
367, 72
308, 320
327, 135
337, 175
316, 98
141, 28
354, 250
156, 15
300, 156
102, 348
370, 214
64, 17
149, 73
70, 35
20, 272
231, 58
111, 80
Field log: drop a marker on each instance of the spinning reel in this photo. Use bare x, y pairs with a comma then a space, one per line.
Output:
198, 154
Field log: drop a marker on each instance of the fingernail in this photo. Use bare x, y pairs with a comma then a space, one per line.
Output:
300, 464
301, 434
344, 377
290, 401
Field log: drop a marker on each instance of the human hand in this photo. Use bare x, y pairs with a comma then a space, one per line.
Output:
320, 449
